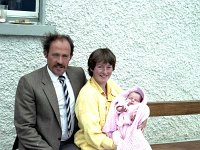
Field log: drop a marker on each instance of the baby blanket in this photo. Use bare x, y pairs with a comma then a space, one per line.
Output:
134, 139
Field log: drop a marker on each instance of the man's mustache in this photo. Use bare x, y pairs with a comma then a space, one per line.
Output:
59, 65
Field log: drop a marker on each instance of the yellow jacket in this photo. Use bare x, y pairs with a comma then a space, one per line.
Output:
91, 109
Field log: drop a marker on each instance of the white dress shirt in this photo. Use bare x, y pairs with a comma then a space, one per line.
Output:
61, 103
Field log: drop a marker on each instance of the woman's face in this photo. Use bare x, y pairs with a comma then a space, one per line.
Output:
102, 72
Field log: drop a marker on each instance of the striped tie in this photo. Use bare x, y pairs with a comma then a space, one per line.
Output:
67, 98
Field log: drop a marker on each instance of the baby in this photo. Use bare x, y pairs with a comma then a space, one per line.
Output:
127, 112
126, 109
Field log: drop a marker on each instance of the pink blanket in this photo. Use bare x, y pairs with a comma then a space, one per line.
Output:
134, 139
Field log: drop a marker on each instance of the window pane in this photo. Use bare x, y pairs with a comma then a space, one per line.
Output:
22, 8
20, 5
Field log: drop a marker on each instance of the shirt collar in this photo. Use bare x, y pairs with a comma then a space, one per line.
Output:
109, 91
54, 77
93, 81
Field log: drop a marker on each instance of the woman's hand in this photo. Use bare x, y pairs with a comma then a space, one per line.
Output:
143, 125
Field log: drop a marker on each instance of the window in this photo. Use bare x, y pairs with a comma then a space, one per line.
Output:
22, 9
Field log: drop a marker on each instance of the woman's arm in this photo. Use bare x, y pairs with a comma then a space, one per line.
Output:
89, 111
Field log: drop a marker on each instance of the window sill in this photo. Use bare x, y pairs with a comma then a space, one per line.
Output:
23, 29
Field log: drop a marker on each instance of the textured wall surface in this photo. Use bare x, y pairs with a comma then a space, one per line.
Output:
156, 44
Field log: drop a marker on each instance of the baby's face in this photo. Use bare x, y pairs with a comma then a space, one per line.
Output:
134, 98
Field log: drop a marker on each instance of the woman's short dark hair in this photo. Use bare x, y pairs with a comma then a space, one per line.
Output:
51, 37
104, 55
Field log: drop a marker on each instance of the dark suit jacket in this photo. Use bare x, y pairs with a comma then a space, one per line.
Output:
36, 116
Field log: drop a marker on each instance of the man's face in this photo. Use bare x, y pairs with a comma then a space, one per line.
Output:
59, 56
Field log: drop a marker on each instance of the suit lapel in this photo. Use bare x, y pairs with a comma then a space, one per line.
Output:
72, 80
50, 93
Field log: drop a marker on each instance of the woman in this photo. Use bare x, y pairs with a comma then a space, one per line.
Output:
94, 101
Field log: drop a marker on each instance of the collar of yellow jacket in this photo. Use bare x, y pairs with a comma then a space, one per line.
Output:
108, 86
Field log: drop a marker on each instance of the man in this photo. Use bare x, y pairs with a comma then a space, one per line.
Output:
41, 111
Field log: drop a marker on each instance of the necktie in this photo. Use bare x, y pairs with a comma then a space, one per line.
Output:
67, 101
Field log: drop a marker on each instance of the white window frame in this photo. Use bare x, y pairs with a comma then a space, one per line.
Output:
25, 14
37, 29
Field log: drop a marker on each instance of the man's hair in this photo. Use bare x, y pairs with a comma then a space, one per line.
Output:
104, 55
51, 37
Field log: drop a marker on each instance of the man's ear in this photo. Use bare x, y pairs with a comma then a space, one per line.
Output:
70, 57
45, 54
